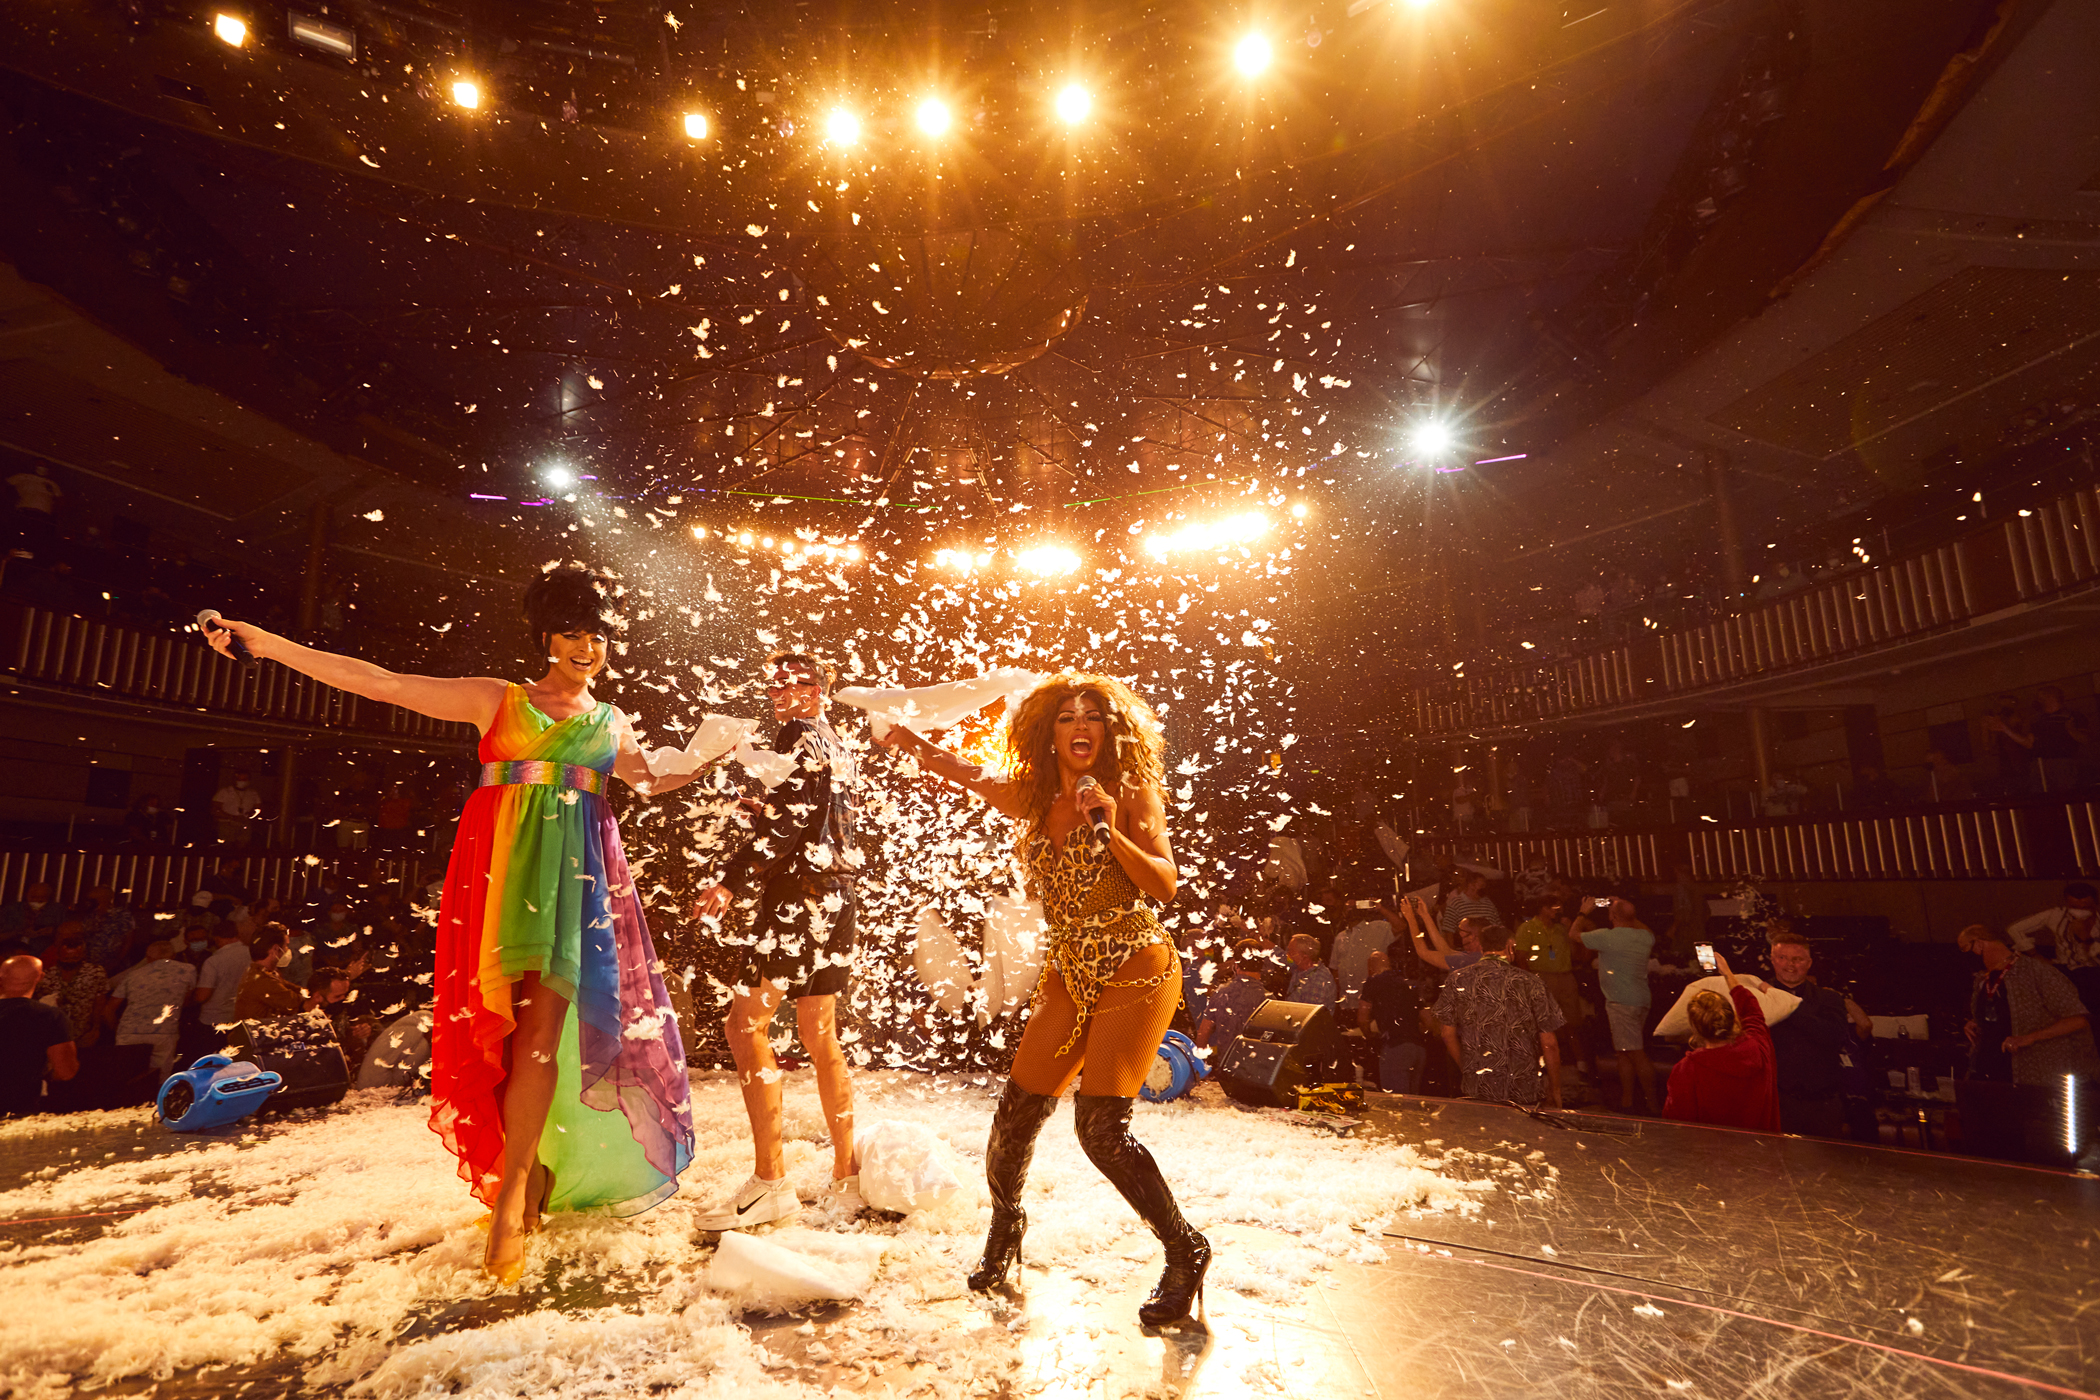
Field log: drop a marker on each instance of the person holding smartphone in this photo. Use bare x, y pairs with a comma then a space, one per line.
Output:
1730, 1076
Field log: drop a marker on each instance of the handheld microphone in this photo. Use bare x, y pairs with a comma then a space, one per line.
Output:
209, 618
1100, 823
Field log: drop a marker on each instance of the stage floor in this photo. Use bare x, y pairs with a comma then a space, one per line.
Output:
1444, 1249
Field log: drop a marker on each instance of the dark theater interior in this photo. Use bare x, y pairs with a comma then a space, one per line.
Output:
1431, 660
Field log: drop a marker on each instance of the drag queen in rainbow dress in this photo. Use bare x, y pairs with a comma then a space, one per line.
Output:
544, 1110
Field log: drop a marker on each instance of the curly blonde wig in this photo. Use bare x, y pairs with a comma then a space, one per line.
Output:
1136, 755
1712, 1016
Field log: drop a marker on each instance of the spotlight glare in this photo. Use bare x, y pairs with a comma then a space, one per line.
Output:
1073, 104
1047, 559
558, 478
1252, 55
1430, 438
744, 539
1216, 534
696, 126
466, 93
933, 116
230, 29
1299, 510
841, 128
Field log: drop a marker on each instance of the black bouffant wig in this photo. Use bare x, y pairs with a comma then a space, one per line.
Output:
566, 598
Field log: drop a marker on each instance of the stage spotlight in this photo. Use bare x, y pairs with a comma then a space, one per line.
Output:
933, 116
1047, 560
1298, 510
319, 34
230, 29
1429, 438
1218, 534
696, 126
466, 93
558, 478
841, 128
1252, 55
744, 539
1073, 104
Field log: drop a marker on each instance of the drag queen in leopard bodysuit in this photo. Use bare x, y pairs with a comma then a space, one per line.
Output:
1084, 749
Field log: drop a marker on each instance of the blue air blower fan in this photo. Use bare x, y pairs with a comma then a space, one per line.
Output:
213, 1092
1175, 1071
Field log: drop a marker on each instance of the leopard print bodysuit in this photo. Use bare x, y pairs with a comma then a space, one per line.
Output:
1097, 918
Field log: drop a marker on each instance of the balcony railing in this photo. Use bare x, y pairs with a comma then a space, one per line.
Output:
2032, 557
100, 658
2033, 839
148, 879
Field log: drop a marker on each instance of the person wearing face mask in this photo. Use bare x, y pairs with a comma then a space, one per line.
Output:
2070, 931
265, 993
31, 920
235, 808
544, 1109
1084, 757
146, 824
75, 983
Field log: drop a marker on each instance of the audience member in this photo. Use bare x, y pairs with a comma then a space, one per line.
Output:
1730, 1075
1809, 1045
264, 991
147, 1000
110, 927
2012, 744
2058, 733
35, 1043
235, 808
146, 823
224, 884
1428, 943
1390, 1014
219, 980
1311, 981
75, 984
1622, 967
1229, 1006
2069, 934
1498, 1025
1468, 900
36, 507
1544, 949
32, 919
2026, 1023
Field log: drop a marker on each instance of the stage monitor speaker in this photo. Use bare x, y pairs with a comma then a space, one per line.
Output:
1274, 1054
302, 1050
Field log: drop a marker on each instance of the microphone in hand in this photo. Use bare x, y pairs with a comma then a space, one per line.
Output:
1098, 816
209, 619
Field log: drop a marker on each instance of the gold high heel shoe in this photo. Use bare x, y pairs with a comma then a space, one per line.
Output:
508, 1273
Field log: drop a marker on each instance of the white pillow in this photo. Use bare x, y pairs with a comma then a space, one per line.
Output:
1777, 1005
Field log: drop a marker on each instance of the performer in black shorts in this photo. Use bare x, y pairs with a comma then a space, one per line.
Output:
796, 874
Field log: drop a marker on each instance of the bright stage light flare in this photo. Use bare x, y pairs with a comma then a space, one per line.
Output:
1298, 510
696, 126
230, 29
466, 93
1073, 104
1252, 55
1216, 534
962, 561
933, 116
841, 128
1430, 438
558, 478
1047, 560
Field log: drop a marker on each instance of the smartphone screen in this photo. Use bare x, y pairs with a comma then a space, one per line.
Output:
1705, 953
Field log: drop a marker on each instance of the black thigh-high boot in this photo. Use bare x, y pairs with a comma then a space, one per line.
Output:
1006, 1157
1104, 1131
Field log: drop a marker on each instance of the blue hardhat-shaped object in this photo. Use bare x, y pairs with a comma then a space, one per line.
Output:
1176, 1070
213, 1092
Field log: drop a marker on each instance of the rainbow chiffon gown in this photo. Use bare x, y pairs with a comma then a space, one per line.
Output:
538, 883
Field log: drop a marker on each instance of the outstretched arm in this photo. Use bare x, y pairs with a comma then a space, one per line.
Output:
633, 766
459, 699
1002, 795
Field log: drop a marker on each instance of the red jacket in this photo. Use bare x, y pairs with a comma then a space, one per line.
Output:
1734, 1085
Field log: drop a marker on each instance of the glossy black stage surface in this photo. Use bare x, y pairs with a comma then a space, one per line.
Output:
1689, 1260
1658, 1260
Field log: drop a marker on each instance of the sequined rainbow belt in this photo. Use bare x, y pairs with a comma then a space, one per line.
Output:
540, 773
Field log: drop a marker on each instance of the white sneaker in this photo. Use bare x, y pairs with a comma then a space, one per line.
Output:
756, 1202
843, 1199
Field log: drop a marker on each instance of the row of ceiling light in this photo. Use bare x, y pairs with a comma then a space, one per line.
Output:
1072, 103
